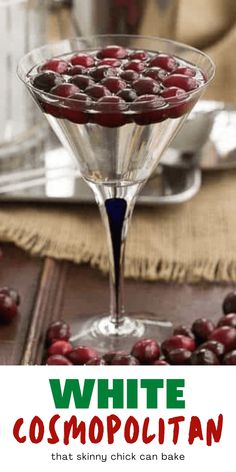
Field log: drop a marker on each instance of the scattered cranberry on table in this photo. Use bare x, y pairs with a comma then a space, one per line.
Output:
229, 303
179, 356
127, 359
204, 343
58, 330
228, 320
184, 330
230, 358
202, 328
81, 355
58, 359
96, 361
12, 292
176, 342
214, 346
204, 357
108, 356
225, 335
146, 351
60, 347
9, 302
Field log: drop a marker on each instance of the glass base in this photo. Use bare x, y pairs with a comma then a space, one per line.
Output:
103, 335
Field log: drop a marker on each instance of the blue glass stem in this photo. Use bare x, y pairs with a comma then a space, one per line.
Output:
116, 214
116, 211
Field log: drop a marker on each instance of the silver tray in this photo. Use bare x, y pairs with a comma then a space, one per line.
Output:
52, 178
207, 139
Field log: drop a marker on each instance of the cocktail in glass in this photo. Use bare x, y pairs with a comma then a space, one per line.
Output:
116, 102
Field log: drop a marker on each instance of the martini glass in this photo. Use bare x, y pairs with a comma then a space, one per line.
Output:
117, 144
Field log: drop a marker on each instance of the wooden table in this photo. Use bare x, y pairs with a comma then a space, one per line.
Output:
51, 290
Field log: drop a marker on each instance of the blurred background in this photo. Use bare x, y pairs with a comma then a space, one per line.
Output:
24, 143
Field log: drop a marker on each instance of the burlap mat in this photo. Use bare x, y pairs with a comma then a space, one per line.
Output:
189, 242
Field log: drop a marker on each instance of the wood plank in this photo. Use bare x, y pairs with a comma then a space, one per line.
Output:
81, 292
18, 270
47, 308
52, 290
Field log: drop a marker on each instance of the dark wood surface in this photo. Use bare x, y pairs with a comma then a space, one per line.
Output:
50, 290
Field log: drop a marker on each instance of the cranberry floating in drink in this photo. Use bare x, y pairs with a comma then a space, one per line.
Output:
116, 102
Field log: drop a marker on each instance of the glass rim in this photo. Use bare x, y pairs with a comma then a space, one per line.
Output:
171, 101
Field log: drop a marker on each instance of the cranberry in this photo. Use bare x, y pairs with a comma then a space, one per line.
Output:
178, 109
97, 91
101, 72
228, 320
82, 81
174, 92
115, 52
57, 359
111, 103
75, 70
179, 356
148, 102
189, 71
64, 90
80, 101
82, 59
146, 351
114, 84
129, 95
230, 358
60, 347
182, 329
164, 61
8, 308
96, 361
229, 303
58, 330
12, 292
81, 355
149, 109
46, 81
181, 81
109, 356
75, 107
155, 73
55, 65
176, 342
109, 61
146, 86
225, 335
54, 110
111, 111
137, 66
129, 75
214, 346
140, 55
127, 359
160, 362
204, 357
202, 328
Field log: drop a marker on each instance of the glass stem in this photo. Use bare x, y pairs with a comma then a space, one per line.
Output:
116, 212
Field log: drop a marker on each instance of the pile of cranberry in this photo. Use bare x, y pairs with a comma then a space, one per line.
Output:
203, 344
114, 86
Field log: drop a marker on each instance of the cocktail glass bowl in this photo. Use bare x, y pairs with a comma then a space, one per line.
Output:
116, 152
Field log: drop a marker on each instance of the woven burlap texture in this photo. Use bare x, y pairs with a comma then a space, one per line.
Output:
189, 242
